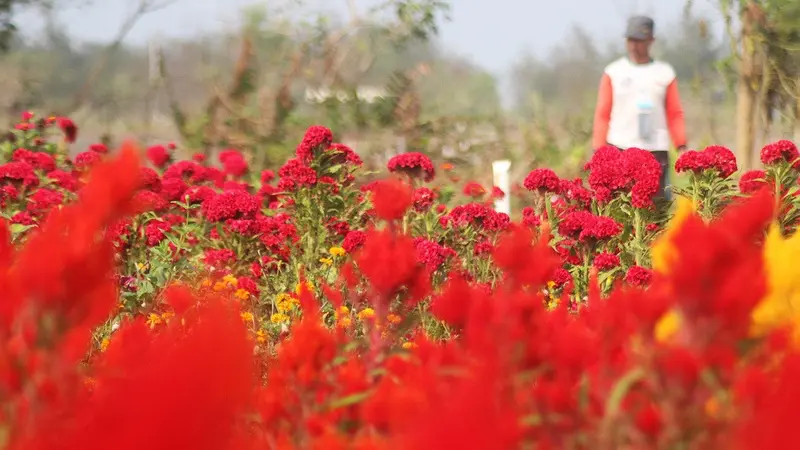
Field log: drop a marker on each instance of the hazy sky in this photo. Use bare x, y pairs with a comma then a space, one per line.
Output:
492, 33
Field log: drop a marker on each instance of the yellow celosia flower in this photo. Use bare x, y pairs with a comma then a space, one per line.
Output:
781, 305
394, 318
278, 318
366, 313
663, 251
409, 345
220, 286
247, 316
326, 261
104, 344
667, 326
242, 294
261, 336
153, 320
336, 251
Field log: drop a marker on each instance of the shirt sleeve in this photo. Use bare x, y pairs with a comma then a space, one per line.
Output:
602, 113
674, 112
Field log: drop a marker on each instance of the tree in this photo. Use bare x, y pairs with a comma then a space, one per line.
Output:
765, 51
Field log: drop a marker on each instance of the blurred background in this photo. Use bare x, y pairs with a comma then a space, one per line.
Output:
467, 81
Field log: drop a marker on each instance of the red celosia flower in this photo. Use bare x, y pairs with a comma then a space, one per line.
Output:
98, 148
432, 255
296, 173
349, 156
497, 193
638, 276
606, 261
267, 176
473, 189
423, 199
219, 258
480, 216
530, 218
158, 155
233, 162
542, 180
413, 164
514, 253
68, 127
633, 170
692, 161
780, 151
317, 138
354, 240
39, 160
86, 160
722, 159
389, 262
391, 198
234, 204
752, 181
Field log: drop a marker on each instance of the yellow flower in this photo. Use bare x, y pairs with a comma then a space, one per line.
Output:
366, 313
167, 315
551, 285
781, 305
309, 286
247, 316
104, 344
220, 286
242, 294
261, 336
409, 345
667, 326
663, 251
336, 251
326, 261
206, 283
394, 318
278, 318
230, 280
285, 302
344, 310
140, 267
153, 320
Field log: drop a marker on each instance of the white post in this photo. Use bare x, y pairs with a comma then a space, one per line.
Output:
500, 170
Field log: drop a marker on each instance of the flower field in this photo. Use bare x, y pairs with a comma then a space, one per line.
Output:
151, 302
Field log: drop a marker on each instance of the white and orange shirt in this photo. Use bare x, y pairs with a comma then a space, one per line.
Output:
638, 106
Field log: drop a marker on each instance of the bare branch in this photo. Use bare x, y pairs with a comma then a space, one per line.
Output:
143, 8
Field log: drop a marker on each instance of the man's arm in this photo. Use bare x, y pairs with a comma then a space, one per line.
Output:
674, 113
602, 113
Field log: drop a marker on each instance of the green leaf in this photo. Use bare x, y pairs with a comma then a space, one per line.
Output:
17, 228
618, 393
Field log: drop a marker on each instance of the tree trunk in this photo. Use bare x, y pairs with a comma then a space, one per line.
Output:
746, 101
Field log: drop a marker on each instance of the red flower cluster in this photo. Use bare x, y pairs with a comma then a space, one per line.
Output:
781, 151
615, 171
413, 164
542, 180
715, 157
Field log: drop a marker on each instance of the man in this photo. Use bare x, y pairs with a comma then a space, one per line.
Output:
638, 103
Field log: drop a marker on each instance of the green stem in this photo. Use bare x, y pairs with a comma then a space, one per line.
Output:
637, 232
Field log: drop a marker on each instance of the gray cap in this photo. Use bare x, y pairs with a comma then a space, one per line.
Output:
640, 28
